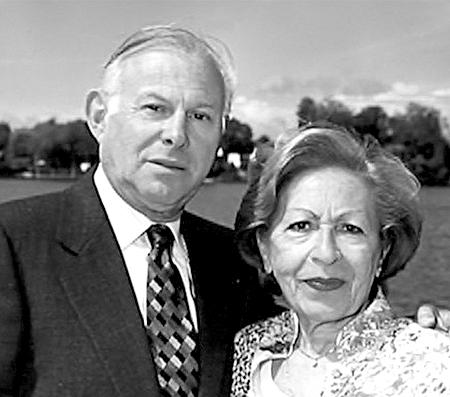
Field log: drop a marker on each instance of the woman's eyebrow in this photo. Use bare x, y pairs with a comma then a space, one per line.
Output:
295, 209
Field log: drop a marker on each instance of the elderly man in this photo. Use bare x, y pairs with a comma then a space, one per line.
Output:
110, 288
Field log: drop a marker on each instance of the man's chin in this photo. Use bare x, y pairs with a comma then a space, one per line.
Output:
165, 204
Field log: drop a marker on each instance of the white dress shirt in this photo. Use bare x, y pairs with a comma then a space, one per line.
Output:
129, 227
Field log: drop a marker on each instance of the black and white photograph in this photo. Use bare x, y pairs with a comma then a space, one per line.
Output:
236, 198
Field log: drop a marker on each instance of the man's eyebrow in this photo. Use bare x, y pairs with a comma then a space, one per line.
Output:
205, 105
153, 95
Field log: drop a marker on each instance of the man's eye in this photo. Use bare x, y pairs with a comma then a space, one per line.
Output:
200, 116
352, 229
300, 226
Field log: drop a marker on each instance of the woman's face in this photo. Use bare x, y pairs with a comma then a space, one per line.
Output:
324, 245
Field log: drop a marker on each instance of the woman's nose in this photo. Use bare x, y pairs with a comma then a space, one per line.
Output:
174, 131
326, 250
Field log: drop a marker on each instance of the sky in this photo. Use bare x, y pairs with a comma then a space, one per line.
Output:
367, 52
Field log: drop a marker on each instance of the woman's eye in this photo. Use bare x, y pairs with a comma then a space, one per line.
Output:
349, 228
153, 107
300, 226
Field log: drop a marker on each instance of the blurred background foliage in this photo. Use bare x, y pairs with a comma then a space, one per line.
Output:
417, 135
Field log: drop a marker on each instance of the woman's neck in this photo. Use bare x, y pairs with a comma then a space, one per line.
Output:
318, 338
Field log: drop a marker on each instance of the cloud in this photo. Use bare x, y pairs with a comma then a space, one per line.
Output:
399, 95
360, 93
442, 93
264, 117
396, 97
17, 122
278, 97
277, 85
288, 86
364, 87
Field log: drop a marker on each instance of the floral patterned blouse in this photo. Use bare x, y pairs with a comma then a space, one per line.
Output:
376, 355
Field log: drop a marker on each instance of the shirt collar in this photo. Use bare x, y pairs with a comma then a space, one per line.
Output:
127, 223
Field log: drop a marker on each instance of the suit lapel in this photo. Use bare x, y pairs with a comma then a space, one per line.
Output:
213, 308
96, 282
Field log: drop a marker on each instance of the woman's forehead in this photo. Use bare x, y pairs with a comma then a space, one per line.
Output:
332, 188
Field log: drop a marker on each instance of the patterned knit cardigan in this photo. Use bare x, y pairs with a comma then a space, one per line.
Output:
376, 355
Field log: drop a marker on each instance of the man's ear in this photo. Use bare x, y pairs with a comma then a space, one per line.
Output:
263, 251
95, 113
225, 122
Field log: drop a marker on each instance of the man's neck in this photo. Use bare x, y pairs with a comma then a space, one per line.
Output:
162, 216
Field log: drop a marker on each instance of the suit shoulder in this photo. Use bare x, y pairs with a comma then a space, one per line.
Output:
200, 224
31, 212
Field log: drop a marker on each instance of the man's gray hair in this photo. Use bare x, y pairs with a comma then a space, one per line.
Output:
170, 37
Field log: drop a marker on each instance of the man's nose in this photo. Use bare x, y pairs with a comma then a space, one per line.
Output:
326, 250
174, 131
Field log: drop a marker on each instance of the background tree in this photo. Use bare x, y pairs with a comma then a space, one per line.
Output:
5, 133
373, 120
336, 112
237, 138
415, 135
420, 143
306, 111
65, 145
329, 109
20, 150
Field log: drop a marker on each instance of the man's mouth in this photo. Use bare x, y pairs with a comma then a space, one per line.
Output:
324, 284
168, 163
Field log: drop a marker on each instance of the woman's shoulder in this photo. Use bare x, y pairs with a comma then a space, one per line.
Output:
270, 336
273, 333
411, 337
377, 330
404, 335
397, 358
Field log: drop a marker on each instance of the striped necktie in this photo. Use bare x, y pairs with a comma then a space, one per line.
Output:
172, 337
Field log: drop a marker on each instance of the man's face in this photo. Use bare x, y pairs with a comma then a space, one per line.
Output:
161, 129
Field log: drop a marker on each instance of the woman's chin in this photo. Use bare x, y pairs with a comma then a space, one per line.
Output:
324, 312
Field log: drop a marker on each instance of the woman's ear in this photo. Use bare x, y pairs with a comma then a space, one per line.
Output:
386, 244
95, 113
384, 253
263, 251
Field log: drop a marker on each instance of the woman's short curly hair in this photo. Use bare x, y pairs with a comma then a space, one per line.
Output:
320, 145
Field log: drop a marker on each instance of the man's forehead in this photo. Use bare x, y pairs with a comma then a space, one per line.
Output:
171, 69
198, 95
167, 58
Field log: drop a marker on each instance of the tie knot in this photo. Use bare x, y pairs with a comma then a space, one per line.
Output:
160, 237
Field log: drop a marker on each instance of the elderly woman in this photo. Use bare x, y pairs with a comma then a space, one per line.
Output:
332, 219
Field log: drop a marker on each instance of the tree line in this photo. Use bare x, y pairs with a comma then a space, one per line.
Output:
47, 147
416, 135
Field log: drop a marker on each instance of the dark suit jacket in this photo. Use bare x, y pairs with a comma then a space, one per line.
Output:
69, 321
